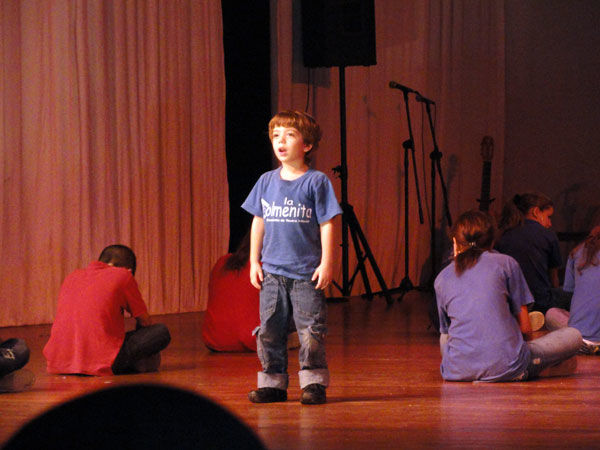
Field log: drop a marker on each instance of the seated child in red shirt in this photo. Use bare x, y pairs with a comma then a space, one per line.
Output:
232, 313
88, 334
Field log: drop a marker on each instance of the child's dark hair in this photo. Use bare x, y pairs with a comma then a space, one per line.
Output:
301, 121
474, 232
514, 211
591, 247
239, 259
119, 256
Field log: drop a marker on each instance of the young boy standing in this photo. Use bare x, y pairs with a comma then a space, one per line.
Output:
292, 235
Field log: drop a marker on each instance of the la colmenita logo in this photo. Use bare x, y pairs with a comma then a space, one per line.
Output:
288, 212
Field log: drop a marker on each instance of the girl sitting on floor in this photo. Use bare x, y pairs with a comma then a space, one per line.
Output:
582, 277
526, 235
482, 301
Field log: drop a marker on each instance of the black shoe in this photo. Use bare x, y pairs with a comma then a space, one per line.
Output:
267, 395
313, 394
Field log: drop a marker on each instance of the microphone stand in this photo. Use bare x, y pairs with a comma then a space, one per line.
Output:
435, 156
406, 284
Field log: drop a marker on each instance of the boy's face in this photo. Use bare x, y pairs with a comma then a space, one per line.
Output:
288, 145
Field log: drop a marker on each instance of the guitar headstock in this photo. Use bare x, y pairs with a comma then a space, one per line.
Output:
487, 148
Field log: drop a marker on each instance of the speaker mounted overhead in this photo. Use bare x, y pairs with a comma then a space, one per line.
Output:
338, 33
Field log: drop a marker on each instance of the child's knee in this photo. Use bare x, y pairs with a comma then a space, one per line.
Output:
313, 336
164, 334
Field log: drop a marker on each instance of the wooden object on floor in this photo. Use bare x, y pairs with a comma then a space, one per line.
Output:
386, 390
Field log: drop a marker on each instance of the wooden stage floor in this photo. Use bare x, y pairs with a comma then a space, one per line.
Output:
386, 390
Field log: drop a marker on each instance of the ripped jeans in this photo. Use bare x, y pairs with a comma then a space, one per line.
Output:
282, 300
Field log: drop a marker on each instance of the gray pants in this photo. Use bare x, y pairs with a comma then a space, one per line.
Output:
552, 349
557, 318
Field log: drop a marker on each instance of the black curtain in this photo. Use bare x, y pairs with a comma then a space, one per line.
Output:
246, 40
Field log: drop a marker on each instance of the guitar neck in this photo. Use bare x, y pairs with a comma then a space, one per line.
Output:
487, 150
486, 175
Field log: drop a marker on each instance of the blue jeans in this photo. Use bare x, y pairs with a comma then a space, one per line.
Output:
552, 349
282, 300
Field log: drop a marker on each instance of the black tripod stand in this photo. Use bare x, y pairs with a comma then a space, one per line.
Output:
350, 222
436, 157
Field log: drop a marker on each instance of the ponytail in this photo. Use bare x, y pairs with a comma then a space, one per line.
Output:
467, 259
591, 247
512, 216
515, 210
474, 234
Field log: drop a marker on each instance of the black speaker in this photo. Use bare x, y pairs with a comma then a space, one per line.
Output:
338, 33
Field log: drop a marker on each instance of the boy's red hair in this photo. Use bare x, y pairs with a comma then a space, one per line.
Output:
301, 121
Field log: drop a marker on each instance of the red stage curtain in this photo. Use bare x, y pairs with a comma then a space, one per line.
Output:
112, 131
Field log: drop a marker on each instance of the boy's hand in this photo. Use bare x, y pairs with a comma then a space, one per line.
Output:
323, 274
256, 275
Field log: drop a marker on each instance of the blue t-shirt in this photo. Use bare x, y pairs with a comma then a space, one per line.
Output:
585, 304
536, 250
478, 312
292, 211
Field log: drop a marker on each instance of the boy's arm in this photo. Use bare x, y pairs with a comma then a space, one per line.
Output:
135, 306
324, 272
524, 324
256, 240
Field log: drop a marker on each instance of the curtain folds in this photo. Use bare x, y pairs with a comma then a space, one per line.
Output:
451, 52
113, 117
